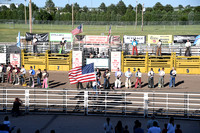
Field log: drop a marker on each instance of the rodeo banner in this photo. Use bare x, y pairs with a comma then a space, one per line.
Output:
153, 39
44, 37
139, 39
184, 38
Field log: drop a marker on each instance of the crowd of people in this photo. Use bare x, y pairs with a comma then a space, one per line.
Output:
17, 76
153, 126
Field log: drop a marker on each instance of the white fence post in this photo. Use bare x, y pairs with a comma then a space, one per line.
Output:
86, 102
146, 104
26, 101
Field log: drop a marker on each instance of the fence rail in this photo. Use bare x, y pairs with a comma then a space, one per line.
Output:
88, 102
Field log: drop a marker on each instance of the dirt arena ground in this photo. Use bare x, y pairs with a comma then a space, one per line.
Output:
184, 83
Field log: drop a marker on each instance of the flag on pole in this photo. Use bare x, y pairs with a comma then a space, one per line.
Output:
82, 74
78, 30
18, 40
109, 31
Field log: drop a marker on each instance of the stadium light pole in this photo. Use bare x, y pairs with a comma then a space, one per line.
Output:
25, 12
30, 17
136, 16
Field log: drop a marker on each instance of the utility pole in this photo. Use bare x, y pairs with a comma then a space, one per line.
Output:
142, 15
136, 16
72, 15
25, 12
30, 16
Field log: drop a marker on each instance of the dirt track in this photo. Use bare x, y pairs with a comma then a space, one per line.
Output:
184, 83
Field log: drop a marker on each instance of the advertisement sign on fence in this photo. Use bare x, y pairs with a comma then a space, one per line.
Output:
44, 37
96, 39
115, 40
76, 58
98, 62
3, 58
57, 37
184, 38
153, 39
115, 61
139, 39
15, 59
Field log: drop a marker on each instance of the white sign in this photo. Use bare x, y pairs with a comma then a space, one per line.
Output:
3, 58
15, 59
139, 39
57, 37
96, 39
98, 62
76, 59
115, 61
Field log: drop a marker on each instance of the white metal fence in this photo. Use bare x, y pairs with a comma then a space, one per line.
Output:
88, 102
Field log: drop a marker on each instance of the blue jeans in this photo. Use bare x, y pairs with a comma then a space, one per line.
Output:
38, 81
172, 81
106, 83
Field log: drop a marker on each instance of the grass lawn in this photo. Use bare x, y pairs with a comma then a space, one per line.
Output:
9, 32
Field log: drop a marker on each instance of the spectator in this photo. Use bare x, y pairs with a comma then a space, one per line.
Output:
4, 128
172, 77
165, 128
178, 130
45, 79
31, 78
136, 125
16, 75
139, 129
126, 129
34, 42
79, 85
171, 126
158, 52
161, 78
2, 73
52, 131
151, 78
62, 44
15, 110
118, 75
155, 128
37, 131
23, 73
119, 128
128, 76
6, 121
188, 46
138, 76
39, 77
106, 79
108, 128
9, 73
134, 43
98, 76
150, 122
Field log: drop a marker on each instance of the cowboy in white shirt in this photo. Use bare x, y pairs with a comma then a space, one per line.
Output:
161, 78
128, 76
187, 45
159, 48
151, 78
118, 75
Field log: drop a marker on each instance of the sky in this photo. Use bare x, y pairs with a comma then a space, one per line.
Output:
96, 3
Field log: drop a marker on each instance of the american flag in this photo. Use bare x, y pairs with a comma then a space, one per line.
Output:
78, 30
109, 31
82, 74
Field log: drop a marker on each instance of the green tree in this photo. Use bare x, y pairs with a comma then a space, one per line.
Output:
169, 8
121, 8
158, 6
21, 7
197, 9
34, 7
130, 7
49, 5
180, 7
85, 9
112, 8
12, 6
76, 8
67, 8
4, 8
103, 7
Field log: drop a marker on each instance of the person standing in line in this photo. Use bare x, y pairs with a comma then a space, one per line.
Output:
39, 77
138, 76
151, 78
118, 75
134, 43
172, 77
31, 78
23, 73
128, 76
34, 42
9, 73
178, 130
139, 129
119, 128
62, 44
45, 79
159, 44
106, 76
108, 128
161, 78
171, 126
6, 121
16, 75
2, 73
155, 128
188, 46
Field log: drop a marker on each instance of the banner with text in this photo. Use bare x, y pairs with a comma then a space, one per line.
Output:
139, 39
115, 61
153, 39
76, 58
43, 37
98, 62
3, 58
15, 59
92, 39
184, 38
57, 37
